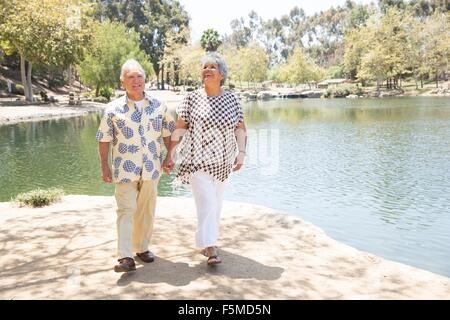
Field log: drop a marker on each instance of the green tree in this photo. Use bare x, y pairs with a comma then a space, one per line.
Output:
39, 31
436, 45
298, 69
113, 44
190, 64
379, 50
273, 38
241, 35
156, 21
301, 69
386, 5
253, 64
172, 57
210, 40
295, 24
234, 64
374, 66
357, 16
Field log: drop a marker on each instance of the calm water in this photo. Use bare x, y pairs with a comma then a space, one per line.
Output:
374, 174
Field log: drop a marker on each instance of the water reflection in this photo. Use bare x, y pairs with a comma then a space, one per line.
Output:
344, 110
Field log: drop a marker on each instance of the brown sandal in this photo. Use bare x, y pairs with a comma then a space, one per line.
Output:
203, 251
212, 260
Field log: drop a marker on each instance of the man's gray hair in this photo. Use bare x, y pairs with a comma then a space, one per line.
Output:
215, 58
129, 64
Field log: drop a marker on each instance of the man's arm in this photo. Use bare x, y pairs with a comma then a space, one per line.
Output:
167, 142
173, 141
103, 149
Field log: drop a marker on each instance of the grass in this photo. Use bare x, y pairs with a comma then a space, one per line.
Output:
39, 198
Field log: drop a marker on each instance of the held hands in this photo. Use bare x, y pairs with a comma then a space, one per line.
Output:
168, 164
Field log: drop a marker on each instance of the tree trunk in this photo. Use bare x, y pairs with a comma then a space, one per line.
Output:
29, 83
156, 69
23, 75
162, 77
437, 79
177, 74
69, 71
421, 82
97, 90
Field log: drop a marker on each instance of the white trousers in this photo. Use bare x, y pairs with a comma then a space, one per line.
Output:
136, 203
208, 196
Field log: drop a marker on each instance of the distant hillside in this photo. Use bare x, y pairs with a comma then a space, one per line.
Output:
39, 85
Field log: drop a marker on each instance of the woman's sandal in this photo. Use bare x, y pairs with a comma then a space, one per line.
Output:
213, 260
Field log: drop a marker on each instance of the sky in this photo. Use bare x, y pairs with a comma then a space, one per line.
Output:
218, 14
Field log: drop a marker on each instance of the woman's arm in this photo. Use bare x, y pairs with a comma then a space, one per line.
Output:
241, 138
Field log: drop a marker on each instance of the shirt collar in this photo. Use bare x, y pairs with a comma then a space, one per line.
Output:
130, 103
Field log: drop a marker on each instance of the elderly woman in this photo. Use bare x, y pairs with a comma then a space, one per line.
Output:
211, 124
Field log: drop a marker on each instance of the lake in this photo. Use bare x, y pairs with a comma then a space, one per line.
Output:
372, 173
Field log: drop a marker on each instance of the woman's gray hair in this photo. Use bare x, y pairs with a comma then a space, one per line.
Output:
215, 58
129, 64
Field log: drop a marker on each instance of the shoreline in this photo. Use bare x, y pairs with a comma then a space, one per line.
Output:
41, 112
30, 113
67, 251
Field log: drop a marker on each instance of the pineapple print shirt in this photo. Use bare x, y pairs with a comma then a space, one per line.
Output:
136, 136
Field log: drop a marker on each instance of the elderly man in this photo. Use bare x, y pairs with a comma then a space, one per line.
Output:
136, 124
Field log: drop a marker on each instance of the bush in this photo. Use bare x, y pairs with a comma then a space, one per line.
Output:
335, 72
100, 99
44, 96
328, 93
39, 198
106, 92
342, 91
18, 89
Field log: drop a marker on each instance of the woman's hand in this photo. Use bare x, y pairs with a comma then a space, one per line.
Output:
239, 161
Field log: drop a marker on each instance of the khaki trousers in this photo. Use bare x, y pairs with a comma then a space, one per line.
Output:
136, 203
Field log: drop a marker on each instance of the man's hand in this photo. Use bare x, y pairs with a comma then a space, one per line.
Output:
168, 164
103, 148
106, 174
